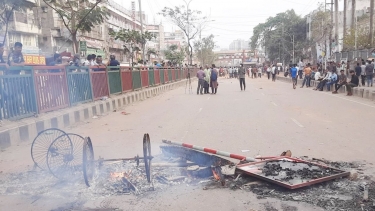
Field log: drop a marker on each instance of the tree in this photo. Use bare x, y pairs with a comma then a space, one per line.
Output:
7, 8
132, 39
276, 36
189, 21
174, 55
204, 50
79, 15
151, 51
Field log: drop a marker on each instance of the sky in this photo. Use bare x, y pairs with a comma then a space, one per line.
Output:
232, 19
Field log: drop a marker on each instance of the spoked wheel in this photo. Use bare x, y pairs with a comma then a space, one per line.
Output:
147, 155
41, 144
62, 156
88, 164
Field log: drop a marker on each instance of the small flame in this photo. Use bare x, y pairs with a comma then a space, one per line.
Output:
216, 176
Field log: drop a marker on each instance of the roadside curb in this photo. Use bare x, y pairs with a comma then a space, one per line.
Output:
26, 129
361, 92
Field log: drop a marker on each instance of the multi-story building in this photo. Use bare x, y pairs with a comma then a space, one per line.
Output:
238, 45
174, 38
24, 27
156, 43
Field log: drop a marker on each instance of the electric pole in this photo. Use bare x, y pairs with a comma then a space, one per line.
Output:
371, 23
344, 27
336, 21
330, 30
144, 44
353, 16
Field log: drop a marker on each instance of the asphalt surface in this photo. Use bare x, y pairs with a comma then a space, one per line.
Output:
266, 119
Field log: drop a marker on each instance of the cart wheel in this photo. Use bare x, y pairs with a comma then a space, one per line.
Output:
61, 160
41, 144
147, 155
88, 164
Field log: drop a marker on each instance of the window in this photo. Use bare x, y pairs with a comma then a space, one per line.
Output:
27, 40
21, 17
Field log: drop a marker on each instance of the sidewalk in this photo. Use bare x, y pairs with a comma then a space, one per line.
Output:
362, 92
14, 132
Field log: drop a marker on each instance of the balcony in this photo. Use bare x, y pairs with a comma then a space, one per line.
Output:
25, 28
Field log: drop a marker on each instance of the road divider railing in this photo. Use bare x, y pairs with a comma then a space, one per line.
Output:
29, 90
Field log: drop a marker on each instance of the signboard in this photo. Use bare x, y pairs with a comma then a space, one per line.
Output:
82, 45
34, 60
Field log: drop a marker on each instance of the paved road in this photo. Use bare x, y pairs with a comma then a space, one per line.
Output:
267, 118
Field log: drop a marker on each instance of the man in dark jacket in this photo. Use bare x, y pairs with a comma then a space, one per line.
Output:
369, 73
353, 83
241, 74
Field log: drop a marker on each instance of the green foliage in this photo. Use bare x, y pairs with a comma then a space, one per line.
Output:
204, 50
151, 51
276, 36
189, 21
362, 39
174, 55
7, 7
79, 15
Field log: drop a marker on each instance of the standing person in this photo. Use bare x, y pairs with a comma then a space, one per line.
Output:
230, 72
307, 78
353, 83
207, 77
113, 62
214, 83
235, 72
93, 60
358, 70
363, 73
341, 82
88, 61
16, 58
268, 72
293, 74
300, 72
273, 71
369, 73
260, 72
241, 75
200, 76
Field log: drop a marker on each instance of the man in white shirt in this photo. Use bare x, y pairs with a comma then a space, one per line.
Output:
273, 71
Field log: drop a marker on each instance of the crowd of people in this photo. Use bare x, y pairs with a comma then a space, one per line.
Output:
329, 76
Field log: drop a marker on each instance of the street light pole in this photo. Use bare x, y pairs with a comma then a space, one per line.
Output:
144, 44
293, 49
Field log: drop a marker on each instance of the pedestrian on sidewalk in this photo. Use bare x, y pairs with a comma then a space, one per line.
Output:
213, 79
301, 68
363, 73
273, 71
268, 72
207, 77
200, 76
358, 71
293, 74
353, 83
369, 73
242, 74
341, 82
307, 78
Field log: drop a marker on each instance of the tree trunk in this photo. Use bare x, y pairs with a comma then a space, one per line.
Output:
6, 31
344, 27
336, 22
75, 43
370, 41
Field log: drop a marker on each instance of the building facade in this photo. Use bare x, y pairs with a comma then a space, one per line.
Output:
238, 45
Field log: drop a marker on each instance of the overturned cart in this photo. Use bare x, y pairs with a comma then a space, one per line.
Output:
291, 173
68, 156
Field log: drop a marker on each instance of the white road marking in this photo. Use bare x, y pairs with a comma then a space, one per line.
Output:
349, 100
274, 104
297, 123
200, 109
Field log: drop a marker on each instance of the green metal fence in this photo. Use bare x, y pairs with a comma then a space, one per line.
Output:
151, 76
136, 76
114, 80
17, 94
161, 72
169, 74
79, 85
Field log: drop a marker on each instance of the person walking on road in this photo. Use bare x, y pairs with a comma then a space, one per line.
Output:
307, 78
273, 71
369, 73
213, 79
242, 74
207, 77
260, 72
200, 76
353, 83
293, 74
268, 72
358, 71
